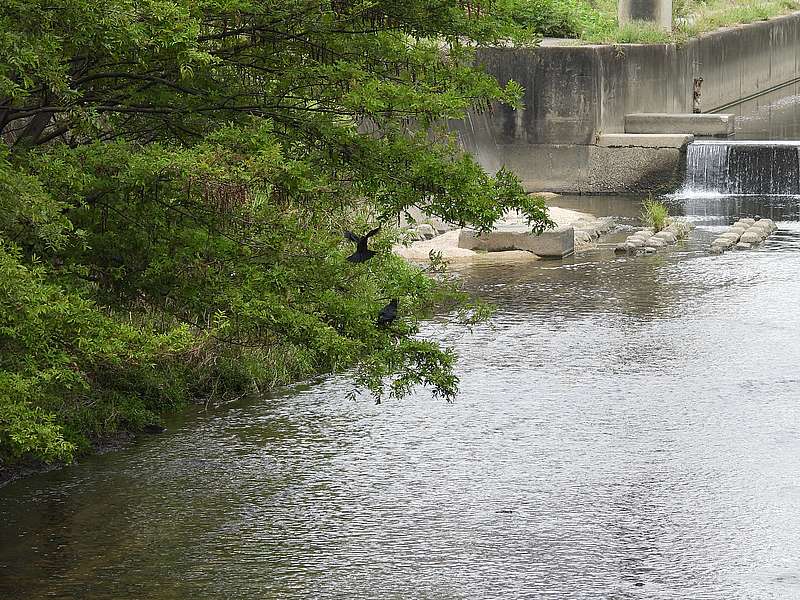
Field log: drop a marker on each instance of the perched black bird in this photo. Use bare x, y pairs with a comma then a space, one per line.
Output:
388, 314
362, 253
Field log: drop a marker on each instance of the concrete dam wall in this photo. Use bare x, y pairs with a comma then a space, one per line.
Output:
576, 95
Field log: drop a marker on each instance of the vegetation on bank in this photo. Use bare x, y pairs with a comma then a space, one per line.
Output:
596, 20
655, 215
175, 177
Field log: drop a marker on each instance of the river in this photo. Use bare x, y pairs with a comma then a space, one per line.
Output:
626, 428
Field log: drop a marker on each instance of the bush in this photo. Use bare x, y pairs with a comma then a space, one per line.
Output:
655, 214
552, 18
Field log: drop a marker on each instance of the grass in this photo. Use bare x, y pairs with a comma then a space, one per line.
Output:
654, 214
595, 21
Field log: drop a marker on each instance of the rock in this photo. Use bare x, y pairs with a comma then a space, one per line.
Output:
655, 242
743, 246
588, 230
426, 231
740, 229
764, 225
680, 228
751, 237
668, 236
621, 248
414, 235
645, 233
649, 250
604, 224
637, 242
583, 238
732, 236
748, 221
547, 195
723, 242
716, 249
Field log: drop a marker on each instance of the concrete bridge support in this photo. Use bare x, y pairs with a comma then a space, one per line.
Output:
658, 12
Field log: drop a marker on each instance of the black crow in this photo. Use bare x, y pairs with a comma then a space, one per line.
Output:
362, 253
388, 314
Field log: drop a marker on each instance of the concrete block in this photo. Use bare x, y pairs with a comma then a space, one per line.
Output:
644, 140
697, 124
633, 169
556, 243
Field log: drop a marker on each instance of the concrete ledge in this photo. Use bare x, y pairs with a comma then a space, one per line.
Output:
550, 244
680, 123
644, 140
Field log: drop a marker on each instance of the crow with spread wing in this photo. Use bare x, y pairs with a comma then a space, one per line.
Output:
362, 253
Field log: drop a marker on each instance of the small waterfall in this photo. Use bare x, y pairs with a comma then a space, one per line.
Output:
742, 168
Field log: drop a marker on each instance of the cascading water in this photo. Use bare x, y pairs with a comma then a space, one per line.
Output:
742, 168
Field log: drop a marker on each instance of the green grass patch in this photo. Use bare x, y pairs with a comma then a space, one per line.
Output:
655, 214
595, 21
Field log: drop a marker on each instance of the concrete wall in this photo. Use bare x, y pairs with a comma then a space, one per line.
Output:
573, 94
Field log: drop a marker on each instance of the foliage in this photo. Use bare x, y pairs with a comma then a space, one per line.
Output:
691, 18
174, 180
655, 214
596, 20
553, 18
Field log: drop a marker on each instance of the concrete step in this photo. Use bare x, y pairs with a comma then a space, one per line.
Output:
644, 140
696, 124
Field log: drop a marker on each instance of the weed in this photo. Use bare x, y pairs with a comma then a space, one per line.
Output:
655, 214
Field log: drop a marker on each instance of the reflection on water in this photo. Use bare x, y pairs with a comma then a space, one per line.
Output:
627, 428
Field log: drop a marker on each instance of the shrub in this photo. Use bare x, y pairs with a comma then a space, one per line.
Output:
655, 214
553, 18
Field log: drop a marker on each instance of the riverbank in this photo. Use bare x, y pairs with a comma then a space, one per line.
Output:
586, 230
595, 21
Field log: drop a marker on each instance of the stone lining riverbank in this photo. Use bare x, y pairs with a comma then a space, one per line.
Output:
648, 241
743, 235
586, 229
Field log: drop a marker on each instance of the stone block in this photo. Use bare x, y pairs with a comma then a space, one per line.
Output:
667, 236
426, 231
720, 125
751, 237
556, 243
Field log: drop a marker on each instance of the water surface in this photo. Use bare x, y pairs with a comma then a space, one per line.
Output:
626, 428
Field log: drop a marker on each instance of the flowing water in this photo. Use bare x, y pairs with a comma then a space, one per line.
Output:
627, 427
742, 168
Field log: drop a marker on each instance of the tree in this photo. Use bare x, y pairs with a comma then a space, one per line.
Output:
174, 179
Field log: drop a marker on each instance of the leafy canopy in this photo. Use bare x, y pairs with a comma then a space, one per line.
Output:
174, 179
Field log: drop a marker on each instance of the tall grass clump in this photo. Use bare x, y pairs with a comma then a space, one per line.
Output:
655, 214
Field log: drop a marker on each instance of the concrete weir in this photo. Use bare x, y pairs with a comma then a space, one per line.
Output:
579, 100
